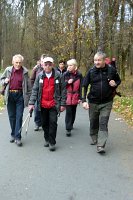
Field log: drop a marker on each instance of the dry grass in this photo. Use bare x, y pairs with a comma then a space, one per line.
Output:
1, 102
124, 105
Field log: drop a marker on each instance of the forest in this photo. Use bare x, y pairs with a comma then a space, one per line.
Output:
71, 29
67, 29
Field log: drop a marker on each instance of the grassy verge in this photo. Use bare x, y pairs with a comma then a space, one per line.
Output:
1, 102
124, 107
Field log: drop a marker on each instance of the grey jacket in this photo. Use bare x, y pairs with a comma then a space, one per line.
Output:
59, 92
26, 85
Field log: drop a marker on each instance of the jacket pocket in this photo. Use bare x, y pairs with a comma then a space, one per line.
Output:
75, 99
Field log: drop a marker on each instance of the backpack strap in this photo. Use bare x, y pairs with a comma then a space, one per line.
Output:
109, 71
91, 75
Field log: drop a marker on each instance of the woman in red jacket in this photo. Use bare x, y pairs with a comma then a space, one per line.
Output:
73, 80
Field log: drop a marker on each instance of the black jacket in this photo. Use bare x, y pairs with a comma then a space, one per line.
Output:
100, 90
61, 72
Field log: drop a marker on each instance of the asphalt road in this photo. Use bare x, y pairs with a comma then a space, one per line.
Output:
74, 171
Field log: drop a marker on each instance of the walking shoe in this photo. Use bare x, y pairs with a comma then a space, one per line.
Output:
46, 144
51, 147
100, 149
93, 142
12, 139
36, 128
68, 133
19, 143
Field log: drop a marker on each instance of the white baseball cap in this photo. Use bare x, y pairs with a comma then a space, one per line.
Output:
48, 59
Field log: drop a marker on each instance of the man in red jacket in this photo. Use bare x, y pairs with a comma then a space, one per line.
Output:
50, 91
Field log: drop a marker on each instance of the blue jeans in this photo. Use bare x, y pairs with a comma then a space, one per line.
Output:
15, 108
37, 115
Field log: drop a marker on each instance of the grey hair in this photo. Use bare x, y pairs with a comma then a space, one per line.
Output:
101, 54
72, 62
17, 56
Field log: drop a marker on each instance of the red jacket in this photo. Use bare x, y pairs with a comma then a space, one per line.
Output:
47, 100
74, 89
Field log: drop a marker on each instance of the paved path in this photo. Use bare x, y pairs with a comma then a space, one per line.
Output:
74, 171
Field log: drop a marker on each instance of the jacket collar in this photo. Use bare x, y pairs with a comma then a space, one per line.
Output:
24, 69
55, 74
101, 69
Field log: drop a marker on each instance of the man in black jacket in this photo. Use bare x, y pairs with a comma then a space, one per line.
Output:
103, 80
36, 70
61, 68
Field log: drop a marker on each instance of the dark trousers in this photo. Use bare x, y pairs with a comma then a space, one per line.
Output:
15, 108
70, 116
99, 117
37, 115
49, 124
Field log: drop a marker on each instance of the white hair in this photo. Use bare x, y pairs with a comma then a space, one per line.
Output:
72, 62
17, 56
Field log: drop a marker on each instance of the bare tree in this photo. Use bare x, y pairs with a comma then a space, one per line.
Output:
0, 33
75, 23
97, 23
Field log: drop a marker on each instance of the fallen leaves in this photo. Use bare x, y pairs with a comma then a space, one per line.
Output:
124, 106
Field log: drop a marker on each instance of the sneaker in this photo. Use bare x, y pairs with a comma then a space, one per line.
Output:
18, 142
68, 133
46, 144
100, 149
12, 139
36, 128
51, 147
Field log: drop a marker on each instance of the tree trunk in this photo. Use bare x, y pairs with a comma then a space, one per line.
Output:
76, 12
1, 34
122, 55
35, 28
103, 25
97, 24
113, 14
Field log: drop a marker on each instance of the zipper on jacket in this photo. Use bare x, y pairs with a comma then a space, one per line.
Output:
48, 87
101, 83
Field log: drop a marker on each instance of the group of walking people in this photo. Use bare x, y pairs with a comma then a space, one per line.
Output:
50, 90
